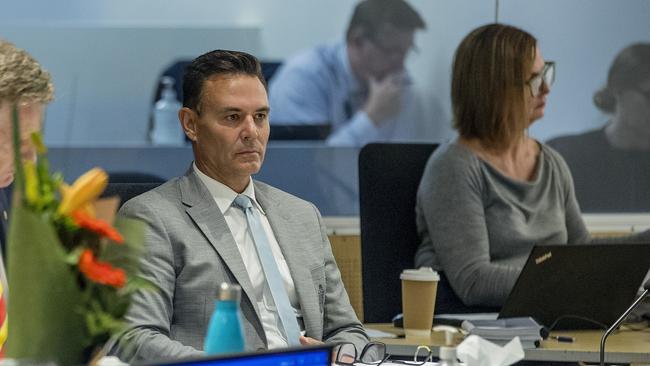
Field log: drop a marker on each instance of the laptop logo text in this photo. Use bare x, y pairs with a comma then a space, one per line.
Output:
543, 258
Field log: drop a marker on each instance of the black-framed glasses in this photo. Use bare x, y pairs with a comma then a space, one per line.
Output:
374, 353
546, 77
401, 50
422, 355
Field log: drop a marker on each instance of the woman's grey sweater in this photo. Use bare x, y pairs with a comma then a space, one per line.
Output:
478, 225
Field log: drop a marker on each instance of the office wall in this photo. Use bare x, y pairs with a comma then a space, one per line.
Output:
105, 76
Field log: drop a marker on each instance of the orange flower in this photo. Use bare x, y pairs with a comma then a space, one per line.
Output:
97, 226
100, 272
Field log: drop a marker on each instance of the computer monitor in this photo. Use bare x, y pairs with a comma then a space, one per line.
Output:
320, 355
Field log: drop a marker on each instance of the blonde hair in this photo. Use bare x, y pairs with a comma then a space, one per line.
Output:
22, 77
489, 75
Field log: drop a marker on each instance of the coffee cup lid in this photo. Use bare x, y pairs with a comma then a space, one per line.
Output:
420, 274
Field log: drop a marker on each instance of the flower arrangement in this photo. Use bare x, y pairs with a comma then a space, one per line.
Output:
73, 265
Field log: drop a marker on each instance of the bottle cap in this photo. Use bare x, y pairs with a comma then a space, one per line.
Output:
449, 333
447, 353
167, 81
168, 92
229, 292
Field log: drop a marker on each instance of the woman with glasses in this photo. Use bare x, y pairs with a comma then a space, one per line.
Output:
490, 195
622, 144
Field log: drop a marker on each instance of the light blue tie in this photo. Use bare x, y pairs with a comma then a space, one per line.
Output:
271, 271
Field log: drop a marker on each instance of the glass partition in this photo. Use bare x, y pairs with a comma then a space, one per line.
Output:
106, 58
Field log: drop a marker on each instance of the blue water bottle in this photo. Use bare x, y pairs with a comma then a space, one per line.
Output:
225, 332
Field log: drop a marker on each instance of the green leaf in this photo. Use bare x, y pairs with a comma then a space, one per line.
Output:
44, 294
72, 258
37, 139
138, 283
126, 256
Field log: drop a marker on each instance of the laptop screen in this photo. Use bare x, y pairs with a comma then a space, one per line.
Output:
578, 286
302, 356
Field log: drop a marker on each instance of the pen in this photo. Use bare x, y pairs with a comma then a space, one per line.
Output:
564, 339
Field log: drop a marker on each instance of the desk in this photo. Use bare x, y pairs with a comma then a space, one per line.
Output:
626, 346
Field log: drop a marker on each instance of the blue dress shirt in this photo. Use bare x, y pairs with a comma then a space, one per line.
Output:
317, 87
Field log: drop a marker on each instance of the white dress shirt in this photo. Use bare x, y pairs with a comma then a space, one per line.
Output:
236, 220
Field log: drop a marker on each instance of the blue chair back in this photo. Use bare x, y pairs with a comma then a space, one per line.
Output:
126, 191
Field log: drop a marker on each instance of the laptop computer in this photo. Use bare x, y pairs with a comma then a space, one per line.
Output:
586, 286
320, 355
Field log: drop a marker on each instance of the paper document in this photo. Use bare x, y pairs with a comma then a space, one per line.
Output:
469, 316
501, 331
374, 333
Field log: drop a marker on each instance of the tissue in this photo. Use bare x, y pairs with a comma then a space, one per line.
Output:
476, 351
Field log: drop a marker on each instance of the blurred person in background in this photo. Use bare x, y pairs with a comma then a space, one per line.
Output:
23, 82
357, 86
622, 144
487, 197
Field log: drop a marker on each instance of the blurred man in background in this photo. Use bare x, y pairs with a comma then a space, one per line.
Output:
357, 86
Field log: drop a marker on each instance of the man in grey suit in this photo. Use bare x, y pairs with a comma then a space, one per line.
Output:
199, 238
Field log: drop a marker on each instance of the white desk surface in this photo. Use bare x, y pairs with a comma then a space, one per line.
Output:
624, 346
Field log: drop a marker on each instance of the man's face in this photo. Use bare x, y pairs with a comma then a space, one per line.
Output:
31, 117
384, 53
231, 129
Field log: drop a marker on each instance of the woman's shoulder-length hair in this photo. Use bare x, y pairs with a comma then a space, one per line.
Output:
490, 70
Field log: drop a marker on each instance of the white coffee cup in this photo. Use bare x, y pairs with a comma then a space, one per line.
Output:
419, 288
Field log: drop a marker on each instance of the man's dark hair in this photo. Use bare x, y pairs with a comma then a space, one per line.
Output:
371, 15
217, 62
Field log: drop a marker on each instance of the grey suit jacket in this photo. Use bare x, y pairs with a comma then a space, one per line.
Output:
190, 251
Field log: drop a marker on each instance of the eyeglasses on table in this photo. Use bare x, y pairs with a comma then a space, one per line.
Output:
374, 353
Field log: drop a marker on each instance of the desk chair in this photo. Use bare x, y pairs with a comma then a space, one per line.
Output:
126, 191
133, 177
389, 176
176, 70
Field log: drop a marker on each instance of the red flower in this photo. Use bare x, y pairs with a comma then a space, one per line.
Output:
98, 226
100, 272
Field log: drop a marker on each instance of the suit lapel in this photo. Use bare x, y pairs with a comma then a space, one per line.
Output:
207, 216
287, 232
